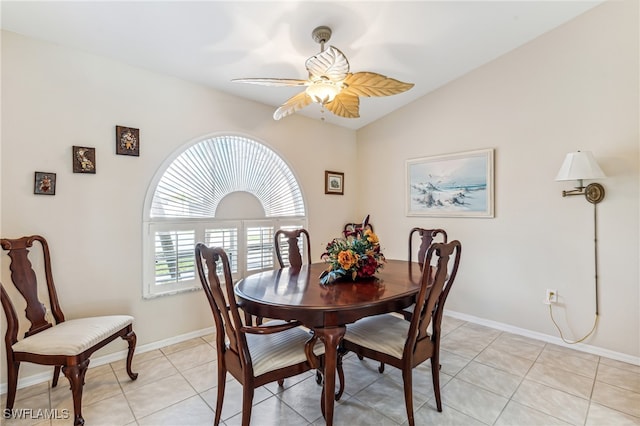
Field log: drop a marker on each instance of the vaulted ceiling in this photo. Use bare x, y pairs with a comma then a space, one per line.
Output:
428, 43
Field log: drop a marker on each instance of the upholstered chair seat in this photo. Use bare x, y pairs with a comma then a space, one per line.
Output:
73, 337
389, 330
271, 352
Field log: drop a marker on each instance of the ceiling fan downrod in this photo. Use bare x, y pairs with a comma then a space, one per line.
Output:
321, 35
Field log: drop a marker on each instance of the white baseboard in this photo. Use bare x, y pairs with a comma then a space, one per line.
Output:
629, 359
116, 356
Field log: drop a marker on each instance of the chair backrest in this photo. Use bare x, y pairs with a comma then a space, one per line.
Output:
222, 301
295, 238
11, 336
434, 289
25, 280
426, 239
351, 228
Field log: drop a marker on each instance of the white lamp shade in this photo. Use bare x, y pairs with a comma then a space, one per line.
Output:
580, 165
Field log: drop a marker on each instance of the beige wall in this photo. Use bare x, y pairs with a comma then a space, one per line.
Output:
54, 98
574, 88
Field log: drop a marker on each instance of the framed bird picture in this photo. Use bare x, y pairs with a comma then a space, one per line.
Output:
84, 159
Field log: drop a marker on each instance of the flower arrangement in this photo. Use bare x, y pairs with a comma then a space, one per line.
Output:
356, 255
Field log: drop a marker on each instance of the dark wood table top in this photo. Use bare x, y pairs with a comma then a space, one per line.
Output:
296, 293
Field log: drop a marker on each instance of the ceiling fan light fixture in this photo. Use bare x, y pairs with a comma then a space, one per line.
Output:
323, 91
331, 83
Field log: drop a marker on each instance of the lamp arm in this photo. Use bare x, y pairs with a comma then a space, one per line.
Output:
594, 192
577, 191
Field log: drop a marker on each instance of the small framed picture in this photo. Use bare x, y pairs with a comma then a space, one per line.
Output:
127, 141
84, 159
44, 183
333, 183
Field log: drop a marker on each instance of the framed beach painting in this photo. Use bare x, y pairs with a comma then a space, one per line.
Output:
451, 185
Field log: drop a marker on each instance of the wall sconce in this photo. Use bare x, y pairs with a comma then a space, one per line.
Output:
579, 166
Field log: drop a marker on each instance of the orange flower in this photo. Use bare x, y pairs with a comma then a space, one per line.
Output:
347, 259
371, 237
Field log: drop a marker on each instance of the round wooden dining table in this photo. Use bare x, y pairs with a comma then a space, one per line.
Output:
295, 293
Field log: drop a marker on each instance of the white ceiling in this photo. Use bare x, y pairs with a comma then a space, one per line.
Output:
428, 43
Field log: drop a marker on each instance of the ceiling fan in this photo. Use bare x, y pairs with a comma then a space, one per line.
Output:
330, 83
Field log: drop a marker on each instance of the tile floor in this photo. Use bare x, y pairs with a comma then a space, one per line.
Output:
488, 377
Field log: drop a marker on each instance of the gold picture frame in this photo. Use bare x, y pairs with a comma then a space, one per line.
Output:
333, 182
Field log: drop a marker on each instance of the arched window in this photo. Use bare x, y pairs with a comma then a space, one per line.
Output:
227, 191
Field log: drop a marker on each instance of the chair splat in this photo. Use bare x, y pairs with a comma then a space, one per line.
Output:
24, 278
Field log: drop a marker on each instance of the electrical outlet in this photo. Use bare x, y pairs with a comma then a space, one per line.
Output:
551, 296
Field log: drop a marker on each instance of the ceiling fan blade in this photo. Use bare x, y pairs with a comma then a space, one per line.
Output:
373, 84
292, 105
331, 63
272, 81
344, 105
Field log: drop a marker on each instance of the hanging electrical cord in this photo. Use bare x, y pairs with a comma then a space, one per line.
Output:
595, 245
595, 323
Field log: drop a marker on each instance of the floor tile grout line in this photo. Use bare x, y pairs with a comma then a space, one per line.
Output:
523, 378
124, 395
277, 395
546, 347
380, 377
381, 413
593, 387
178, 372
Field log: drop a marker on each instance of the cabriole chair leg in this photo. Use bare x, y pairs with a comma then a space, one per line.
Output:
75, 374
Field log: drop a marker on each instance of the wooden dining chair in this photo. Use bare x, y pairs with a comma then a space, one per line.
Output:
254, 355
65, 344
406, 344
426, 238
297, 240
350, 228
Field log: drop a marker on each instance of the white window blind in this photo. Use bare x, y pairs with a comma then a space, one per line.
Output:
227, 238
174, 256
181, 211
259, 248
196, 181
